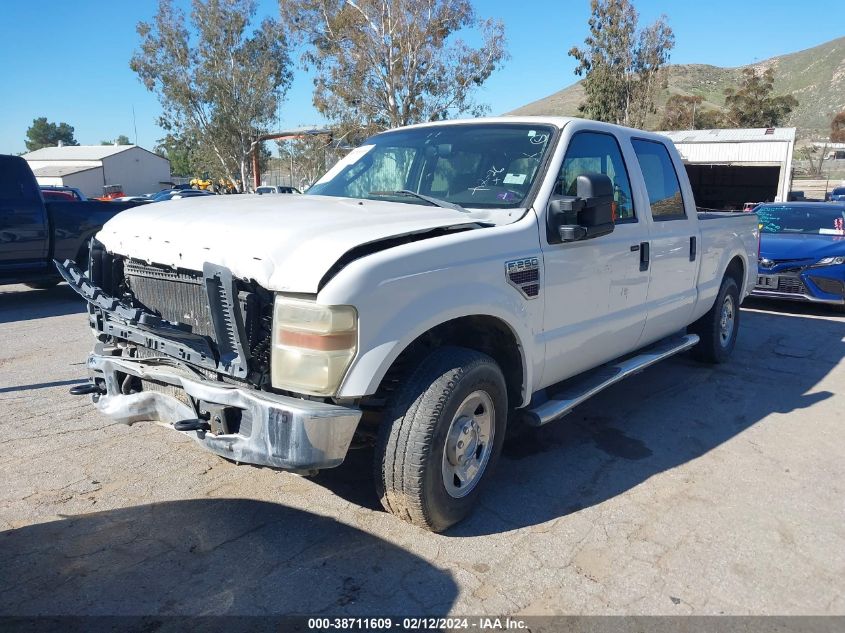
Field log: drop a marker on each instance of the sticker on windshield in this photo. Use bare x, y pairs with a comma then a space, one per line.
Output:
515, 179
351, 158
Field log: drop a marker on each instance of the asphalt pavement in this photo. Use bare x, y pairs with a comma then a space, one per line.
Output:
687, 489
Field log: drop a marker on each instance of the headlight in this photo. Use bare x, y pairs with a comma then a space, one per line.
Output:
312, 345
830, 261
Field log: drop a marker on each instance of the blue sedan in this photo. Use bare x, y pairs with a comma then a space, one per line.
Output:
802, 252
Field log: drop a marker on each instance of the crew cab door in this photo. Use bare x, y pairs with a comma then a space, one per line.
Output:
23, 222
595, 289
674, 242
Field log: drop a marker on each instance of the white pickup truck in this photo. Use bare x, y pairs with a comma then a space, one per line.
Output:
439, 281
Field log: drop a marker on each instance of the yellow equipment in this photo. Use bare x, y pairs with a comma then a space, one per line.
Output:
203, 183
224, 185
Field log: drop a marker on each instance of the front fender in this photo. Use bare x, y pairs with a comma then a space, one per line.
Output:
383, 342
400, 296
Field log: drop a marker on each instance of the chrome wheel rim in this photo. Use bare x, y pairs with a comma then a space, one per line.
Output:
727, 321
469, 443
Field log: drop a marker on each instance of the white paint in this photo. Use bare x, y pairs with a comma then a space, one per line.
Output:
285, 243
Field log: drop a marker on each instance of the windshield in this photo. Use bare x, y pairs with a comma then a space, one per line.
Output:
821, 220
838, 191
484, 165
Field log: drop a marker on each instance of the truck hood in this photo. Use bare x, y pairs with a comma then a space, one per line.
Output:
283, 242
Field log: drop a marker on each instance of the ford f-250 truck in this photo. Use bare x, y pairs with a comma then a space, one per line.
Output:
439, 280
34, 232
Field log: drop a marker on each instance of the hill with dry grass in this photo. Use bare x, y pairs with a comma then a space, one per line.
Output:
816, 77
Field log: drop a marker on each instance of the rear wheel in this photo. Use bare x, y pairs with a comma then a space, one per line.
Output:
718, 328
441, 438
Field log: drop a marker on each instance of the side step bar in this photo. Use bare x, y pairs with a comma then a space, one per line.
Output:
568, 394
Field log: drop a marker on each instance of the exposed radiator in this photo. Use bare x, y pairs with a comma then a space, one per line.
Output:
177, 296
181, 296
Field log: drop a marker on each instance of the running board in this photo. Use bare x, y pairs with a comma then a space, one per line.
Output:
570, 393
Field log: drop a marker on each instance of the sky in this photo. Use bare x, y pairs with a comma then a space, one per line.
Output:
68, 60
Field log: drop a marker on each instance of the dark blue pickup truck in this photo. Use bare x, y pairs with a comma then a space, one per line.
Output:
33, 232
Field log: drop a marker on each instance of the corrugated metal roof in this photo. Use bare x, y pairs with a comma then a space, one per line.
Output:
57, 171
761, 135
77, 152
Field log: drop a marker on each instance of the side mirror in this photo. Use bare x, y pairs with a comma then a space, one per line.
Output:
587, 215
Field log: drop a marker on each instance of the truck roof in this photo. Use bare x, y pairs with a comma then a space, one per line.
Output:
556, 121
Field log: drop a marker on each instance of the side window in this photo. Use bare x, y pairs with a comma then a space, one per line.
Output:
661, 180
599, 153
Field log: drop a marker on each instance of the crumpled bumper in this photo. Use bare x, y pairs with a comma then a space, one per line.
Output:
276, 431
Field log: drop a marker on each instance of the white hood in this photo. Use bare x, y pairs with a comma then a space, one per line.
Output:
283, 242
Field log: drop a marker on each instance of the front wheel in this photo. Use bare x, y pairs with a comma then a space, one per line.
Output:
718, 328
441, 438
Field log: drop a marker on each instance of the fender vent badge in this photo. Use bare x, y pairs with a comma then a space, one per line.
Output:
524, 275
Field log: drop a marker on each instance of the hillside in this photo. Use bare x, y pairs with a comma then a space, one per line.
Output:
816, 77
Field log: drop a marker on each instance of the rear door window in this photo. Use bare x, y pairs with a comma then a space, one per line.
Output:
661, 180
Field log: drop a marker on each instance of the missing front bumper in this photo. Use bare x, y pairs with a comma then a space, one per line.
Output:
281, 432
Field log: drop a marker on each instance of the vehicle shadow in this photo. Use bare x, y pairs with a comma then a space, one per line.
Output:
210, 557
19, 303
666, 416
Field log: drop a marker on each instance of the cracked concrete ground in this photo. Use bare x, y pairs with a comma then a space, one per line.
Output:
684, 490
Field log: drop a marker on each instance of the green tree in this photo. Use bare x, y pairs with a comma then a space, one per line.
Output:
685, 113
182, 154
386, 63
621, 65
120, 140
219, 77
752, 104
42, 133
837, 128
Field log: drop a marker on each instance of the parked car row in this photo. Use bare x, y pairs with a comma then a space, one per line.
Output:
375, 309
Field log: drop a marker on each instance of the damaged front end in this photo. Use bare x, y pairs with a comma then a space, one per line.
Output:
191, 350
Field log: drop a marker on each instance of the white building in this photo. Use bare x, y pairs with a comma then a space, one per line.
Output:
730, 167
92, 167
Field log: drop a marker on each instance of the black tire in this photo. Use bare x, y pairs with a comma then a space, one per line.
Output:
43, 285
409, 458
715, 348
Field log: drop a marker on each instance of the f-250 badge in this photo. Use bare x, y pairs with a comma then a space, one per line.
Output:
524, 275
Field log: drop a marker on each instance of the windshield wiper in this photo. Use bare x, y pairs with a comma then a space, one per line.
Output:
437, 202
